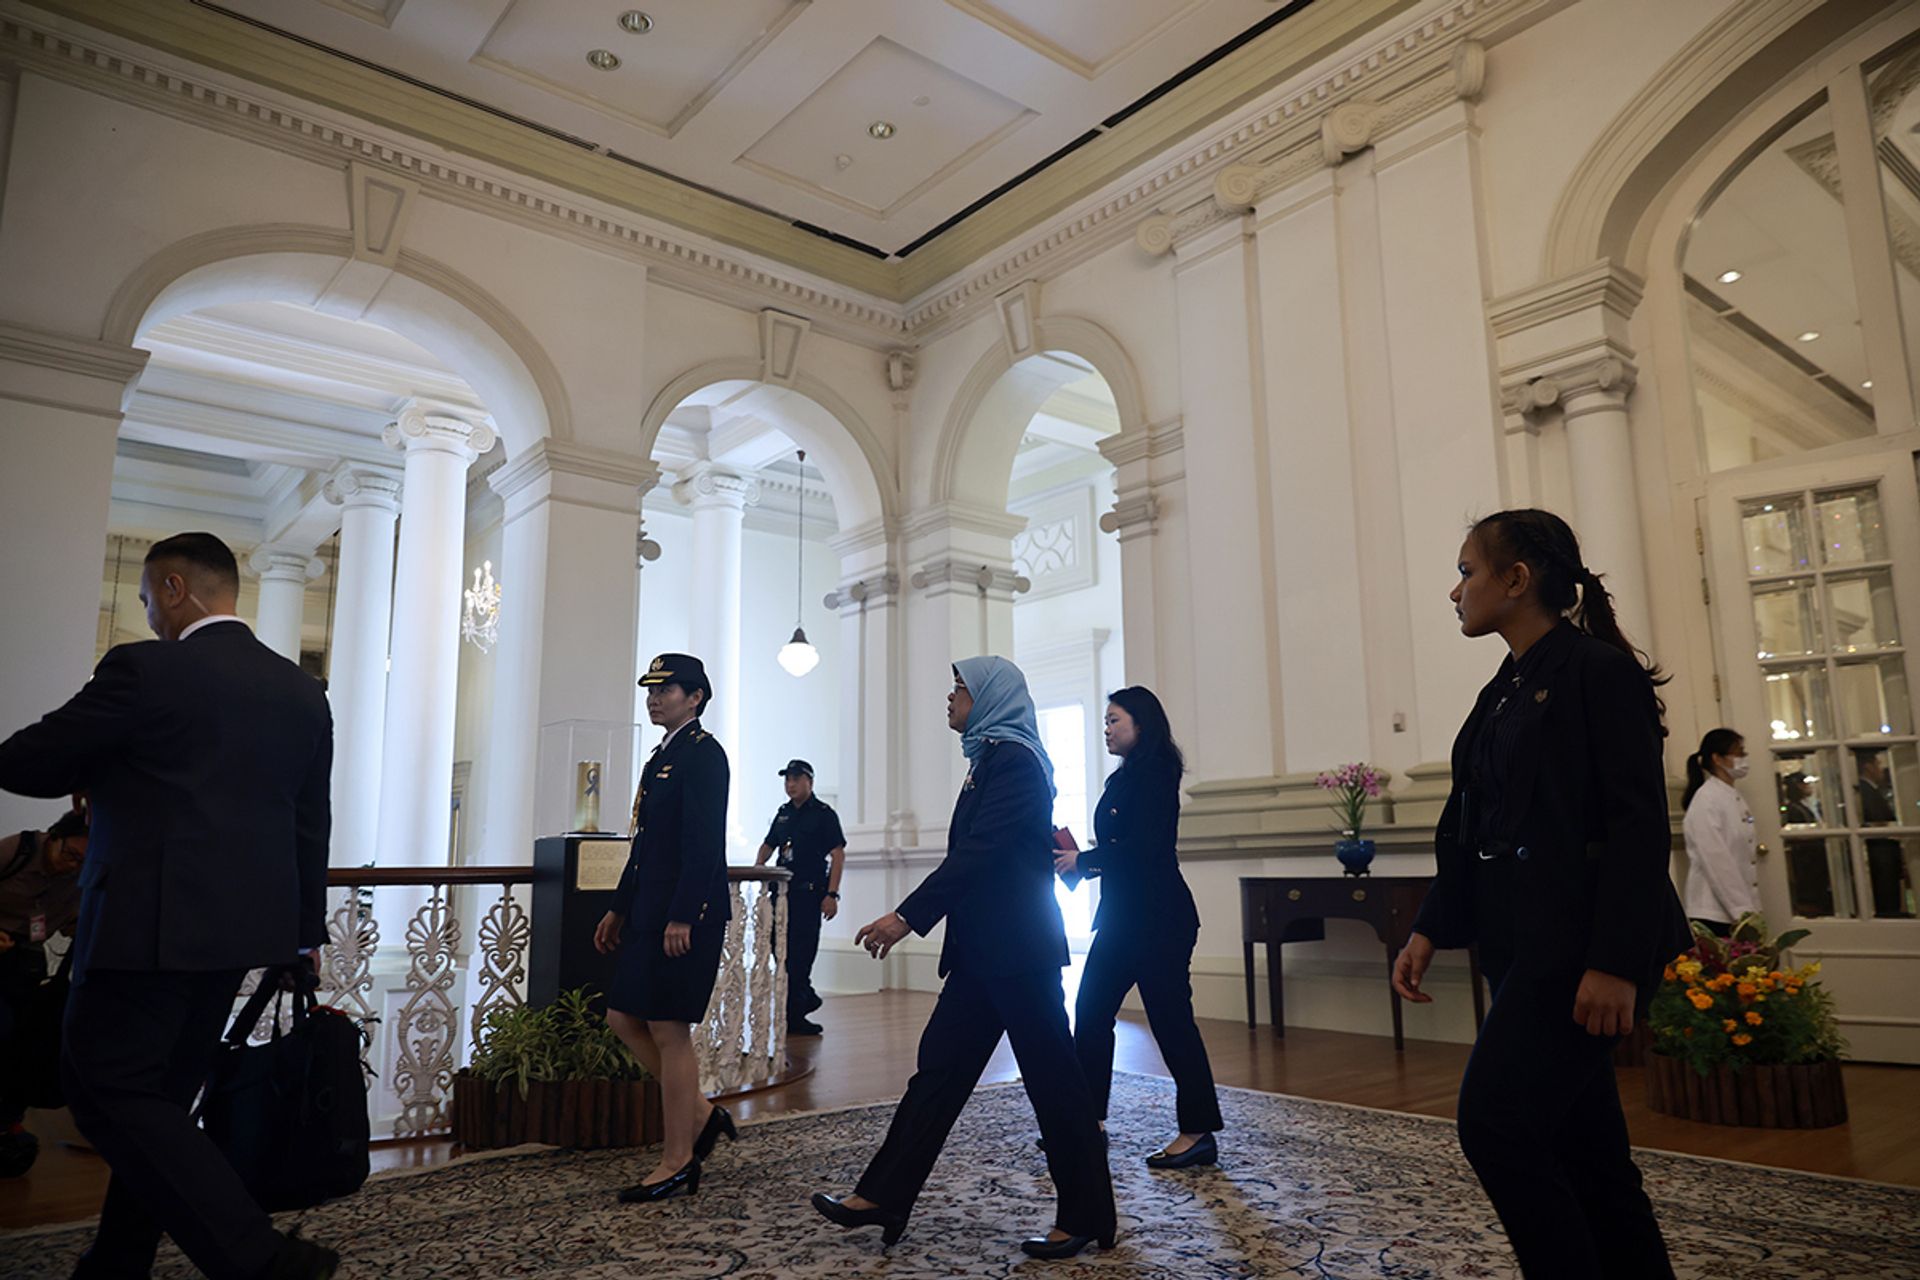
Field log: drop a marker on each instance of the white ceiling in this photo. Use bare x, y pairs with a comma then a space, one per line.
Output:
769, 101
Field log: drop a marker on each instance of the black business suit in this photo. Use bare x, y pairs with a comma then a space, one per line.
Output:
1552, 856
1145, 932
206, 762
1002, 956
676, 874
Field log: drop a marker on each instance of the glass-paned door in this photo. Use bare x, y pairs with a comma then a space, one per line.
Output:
1816, 571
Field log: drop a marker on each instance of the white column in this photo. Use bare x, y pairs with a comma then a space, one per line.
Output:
357, 667
1216, 278
417, 748
284, 575
868, 602
719, 500
566, 651
1593, 405
60, 400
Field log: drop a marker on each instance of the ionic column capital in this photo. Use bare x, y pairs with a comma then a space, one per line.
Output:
705, 487
353, 486
1133, 514
281, 564
1594, 385
949, 575
416, 428
866, 593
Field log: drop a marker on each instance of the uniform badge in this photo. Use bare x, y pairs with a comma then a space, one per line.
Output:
1539, 695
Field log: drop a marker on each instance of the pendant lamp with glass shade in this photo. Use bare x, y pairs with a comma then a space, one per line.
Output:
797, 656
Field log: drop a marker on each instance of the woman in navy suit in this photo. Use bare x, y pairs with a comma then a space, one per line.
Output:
668, 921
1552, 856
1146, 926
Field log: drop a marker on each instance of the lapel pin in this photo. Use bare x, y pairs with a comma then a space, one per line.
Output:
1539, 695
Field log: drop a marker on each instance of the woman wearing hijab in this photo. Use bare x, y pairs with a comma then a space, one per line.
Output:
1146, 926
1004, 949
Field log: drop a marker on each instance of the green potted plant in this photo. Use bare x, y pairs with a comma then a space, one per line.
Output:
1741, 1038
555, 1074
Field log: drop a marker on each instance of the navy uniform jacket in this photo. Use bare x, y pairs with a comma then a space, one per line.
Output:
1136, 826
808, 833
677, 869
207, 763
995, 886
1587, 800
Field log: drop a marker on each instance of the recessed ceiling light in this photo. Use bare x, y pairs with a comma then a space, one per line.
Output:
922, 100
637, 22
1867, 385
880, 129
1810, 335
1728, 277
842, 161
603, 59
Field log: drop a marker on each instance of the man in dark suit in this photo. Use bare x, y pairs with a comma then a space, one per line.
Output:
205, 758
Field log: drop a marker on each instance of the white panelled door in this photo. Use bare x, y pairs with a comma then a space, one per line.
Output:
1816, 598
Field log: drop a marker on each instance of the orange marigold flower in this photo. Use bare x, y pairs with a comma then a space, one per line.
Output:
1701, 1000
1754, 1019
1743, 1039
1668, 974
1728, 1024
1747, 990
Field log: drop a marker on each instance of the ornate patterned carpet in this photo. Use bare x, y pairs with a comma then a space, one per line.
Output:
1305, 1189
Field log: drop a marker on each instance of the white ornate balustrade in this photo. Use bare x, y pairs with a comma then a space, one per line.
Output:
425, 1001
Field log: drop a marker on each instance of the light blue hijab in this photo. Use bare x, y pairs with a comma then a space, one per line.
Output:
1002, 710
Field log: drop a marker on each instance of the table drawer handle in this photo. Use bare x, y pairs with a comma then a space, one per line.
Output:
1359, 895
1293, 895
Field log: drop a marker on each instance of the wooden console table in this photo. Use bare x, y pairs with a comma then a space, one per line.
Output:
1282, 909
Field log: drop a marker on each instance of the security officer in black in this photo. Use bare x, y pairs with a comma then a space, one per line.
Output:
806, 833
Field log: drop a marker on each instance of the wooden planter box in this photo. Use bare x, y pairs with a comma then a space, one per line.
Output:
566, 1113
1801, 1097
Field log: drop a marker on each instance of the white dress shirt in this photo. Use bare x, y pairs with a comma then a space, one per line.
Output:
1721, 877
209, 620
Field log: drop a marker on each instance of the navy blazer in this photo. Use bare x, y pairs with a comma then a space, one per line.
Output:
207, 763
1587, 801
677, 866
995, 886
1137, 826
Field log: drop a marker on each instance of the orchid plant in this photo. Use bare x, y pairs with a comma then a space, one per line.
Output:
1352, 785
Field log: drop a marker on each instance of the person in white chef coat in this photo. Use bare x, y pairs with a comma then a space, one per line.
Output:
1721, 878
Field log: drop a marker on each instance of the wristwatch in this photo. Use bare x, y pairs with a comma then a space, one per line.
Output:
831, 893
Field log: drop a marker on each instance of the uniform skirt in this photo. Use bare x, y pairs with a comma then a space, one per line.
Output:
651, 985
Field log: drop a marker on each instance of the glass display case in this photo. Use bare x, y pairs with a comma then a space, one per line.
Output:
584, 776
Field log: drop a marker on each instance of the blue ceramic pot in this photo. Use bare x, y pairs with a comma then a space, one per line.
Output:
1355, 855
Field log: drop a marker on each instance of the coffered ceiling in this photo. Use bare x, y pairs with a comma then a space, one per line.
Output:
881, 144
776, 102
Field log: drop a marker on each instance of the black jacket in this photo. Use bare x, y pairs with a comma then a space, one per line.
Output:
207, 763
1136, 827
995, 886
677, 868
1587, 800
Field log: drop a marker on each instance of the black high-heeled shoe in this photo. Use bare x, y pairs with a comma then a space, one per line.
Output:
718, 1122
892, 1225
1042, 1247
1204, 1151
683, 1183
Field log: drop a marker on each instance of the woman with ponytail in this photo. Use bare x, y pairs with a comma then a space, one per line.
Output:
1720, 836
1551, 856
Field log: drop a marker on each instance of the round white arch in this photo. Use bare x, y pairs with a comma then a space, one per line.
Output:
428, 303
851, 458
973, 459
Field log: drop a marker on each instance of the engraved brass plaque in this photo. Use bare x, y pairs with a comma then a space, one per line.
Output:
600, 865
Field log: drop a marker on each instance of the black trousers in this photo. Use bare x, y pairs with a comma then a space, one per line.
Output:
1116, 964
1540, 1122
803, 947
137, 1050
960, 1037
